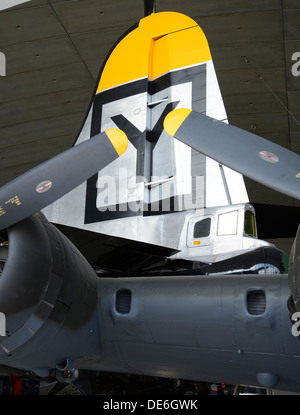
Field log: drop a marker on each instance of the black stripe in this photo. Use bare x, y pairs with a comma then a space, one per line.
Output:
196, 75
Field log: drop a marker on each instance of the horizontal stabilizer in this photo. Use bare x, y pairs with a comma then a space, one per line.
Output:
251, 155
102, 250
47, 182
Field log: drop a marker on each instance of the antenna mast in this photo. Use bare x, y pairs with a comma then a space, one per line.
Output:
149, 7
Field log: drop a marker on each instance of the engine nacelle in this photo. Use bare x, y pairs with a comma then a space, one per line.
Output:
48, 294
294, 279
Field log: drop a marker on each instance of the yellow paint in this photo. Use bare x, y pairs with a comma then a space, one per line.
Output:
174, 120
15, 200
118, 139
29, 329
4, 348
178, 50
148, 52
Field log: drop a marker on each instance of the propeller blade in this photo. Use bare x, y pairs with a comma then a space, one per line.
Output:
251, 155
42, 185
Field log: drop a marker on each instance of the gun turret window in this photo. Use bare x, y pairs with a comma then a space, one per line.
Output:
202, 228
250, 225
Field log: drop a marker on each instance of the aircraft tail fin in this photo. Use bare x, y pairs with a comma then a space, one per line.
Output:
162, 63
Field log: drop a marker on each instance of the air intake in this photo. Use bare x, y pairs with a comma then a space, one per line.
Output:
123, 301
256, 302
